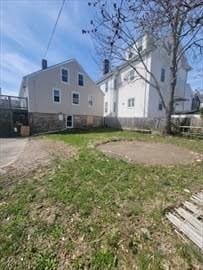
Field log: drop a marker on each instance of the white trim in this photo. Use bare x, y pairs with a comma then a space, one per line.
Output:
72, 121
61, 75
78, 93
56, 102
80, 73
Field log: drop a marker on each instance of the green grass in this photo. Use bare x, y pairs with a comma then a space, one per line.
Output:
96, 212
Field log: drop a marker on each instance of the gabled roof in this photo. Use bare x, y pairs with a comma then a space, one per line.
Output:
50, 67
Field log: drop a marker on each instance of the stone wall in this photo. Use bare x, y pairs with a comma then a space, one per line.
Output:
134, 123
47, 122
83, 121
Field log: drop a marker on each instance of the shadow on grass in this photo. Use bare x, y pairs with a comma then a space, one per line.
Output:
86, 131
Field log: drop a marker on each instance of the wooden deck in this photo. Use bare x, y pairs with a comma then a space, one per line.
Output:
188, 219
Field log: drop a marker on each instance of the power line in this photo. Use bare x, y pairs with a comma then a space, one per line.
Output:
54, 28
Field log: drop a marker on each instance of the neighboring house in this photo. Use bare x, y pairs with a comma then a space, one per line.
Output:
128, 96
62, 96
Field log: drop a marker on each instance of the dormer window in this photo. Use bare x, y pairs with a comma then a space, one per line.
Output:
64, 75
80, 79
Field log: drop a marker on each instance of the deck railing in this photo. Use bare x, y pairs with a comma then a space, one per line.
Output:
13, 102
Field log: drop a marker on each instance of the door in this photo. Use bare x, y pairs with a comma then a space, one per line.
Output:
69, 121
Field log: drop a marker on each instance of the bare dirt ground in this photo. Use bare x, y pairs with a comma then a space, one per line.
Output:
150, 153
38, 153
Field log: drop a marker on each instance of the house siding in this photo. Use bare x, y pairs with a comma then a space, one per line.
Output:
44, 113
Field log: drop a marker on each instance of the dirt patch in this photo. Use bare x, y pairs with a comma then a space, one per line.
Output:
39, 153
150, 153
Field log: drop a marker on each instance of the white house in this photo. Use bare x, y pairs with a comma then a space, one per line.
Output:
62, 96
128, 96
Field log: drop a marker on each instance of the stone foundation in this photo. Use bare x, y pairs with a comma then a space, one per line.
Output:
47, 122
85, 121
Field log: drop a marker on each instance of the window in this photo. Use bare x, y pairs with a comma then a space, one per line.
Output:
75, 98
80, 79
131, 102
162, 75
139, 45
64, 75
160, 106
114, 84
130, 54
106, 107
56, 96
114, 107
69, 121
131, 75
106, 86
90, 101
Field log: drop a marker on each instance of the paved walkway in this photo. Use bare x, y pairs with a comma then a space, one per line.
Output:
10, 149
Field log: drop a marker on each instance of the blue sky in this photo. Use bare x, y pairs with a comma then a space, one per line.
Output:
26, 26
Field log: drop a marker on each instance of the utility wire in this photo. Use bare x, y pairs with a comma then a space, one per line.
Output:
54, 29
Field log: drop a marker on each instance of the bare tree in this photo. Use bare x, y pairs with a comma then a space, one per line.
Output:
175, 25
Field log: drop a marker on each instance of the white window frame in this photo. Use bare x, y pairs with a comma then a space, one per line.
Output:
72, 121
78, 93
79, 73
89, 100
62, 73
56, 102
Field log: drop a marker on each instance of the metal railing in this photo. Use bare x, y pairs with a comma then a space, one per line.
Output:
13, 102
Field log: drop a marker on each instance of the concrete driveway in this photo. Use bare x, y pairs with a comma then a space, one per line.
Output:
10, 149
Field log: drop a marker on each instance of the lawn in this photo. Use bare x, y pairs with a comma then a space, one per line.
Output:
96, 212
